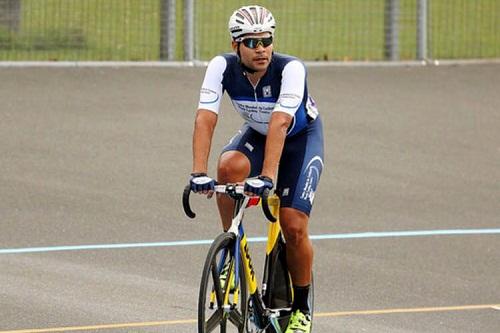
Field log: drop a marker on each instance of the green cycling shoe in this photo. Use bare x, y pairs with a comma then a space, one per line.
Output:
299, 323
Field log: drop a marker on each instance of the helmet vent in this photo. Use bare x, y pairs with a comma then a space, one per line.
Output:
247, 15
251, 19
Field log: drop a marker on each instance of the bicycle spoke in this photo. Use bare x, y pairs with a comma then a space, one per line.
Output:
236, 318
214, 320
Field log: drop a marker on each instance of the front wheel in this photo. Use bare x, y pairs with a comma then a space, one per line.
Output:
222, 307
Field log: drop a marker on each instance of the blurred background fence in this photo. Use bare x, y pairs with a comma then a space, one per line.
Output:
338, 30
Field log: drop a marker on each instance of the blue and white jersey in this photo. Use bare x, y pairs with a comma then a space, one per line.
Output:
283, 88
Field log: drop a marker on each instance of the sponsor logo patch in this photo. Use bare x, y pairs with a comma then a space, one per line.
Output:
248, 146
266, 91
208, 96
312, 172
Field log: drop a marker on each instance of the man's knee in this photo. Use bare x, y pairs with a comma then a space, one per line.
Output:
233, 166
294, 225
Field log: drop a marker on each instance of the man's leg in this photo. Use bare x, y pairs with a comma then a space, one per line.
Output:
299, 252
233, 167
299, 249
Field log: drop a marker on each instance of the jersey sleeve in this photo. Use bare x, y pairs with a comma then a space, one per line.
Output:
211, 89
292, 88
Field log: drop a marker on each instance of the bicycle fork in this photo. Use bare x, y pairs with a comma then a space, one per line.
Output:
232, 275
260, 312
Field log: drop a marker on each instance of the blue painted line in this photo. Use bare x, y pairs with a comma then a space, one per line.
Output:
362, 235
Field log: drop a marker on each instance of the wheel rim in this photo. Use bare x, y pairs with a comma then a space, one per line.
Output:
213, 316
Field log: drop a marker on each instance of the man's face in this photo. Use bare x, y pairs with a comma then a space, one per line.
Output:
255, 50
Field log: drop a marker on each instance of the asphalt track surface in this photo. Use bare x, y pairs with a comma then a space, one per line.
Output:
406, 219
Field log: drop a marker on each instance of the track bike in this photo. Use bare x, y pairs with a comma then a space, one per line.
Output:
229, 297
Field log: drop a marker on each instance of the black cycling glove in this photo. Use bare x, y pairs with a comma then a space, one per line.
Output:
258, 185
200, 182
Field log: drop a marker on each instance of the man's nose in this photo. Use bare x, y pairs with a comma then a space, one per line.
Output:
260, 47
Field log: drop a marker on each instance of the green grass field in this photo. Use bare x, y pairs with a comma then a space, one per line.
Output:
311, 29
86, 30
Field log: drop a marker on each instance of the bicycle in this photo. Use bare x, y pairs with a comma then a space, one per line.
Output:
236, 299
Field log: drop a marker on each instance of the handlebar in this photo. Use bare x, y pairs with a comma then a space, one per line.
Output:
233, 190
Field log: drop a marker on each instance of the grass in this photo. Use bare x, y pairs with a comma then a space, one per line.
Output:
310, 29
88, 30
474, 33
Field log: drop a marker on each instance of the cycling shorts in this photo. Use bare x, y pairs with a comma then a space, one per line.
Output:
300, 166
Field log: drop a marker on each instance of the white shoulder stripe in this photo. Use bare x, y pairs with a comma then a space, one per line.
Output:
211, 89
292, 87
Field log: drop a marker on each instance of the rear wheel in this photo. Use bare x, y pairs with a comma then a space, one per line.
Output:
280, 289
221, 307
310, 299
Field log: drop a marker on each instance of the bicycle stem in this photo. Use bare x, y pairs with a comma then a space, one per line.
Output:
235, 223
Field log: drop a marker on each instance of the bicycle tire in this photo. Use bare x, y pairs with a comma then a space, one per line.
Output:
211, 319
311, 300
284, 320
280, 286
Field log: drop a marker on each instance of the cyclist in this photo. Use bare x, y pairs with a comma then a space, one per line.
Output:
281, 136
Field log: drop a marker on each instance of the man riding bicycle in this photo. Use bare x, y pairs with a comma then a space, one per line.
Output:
281, 141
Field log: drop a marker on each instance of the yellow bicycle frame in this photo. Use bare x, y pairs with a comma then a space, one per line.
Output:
249, 271
272, 237
274, 228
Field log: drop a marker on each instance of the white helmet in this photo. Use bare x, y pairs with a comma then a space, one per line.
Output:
251, 19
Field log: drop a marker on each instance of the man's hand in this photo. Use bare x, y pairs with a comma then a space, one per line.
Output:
201, 183
258, 185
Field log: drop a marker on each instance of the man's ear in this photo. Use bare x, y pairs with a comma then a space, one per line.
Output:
234, 45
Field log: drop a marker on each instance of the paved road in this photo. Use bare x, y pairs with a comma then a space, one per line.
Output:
98, 156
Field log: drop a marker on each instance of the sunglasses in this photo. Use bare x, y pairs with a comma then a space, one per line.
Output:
253, 43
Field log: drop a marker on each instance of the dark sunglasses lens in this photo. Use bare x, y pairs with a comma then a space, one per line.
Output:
267, 41
252, 43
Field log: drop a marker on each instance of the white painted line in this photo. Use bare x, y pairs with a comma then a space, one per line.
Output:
124, 64
362, 235
201, 63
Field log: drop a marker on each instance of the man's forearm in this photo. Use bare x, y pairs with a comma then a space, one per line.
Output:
275, 141
202, 139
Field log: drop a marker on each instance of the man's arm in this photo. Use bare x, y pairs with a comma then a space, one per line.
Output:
278, 126
291, 94
204, 127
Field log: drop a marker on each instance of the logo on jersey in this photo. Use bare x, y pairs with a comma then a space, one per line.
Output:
289, 101
266, 91
312, 172
312, 110
208, 96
